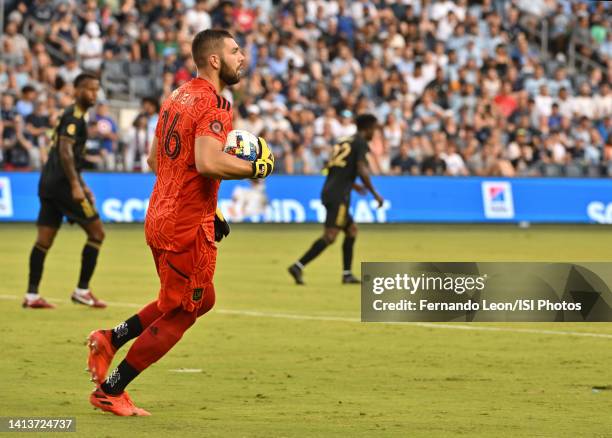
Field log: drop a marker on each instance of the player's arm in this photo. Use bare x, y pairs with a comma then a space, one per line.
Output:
66, 154
362, 171
152, 158
359, 189
211, 161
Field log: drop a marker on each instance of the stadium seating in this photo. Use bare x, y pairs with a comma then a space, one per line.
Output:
479, 64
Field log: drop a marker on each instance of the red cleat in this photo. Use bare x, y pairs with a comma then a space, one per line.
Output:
38, 303
101, 353
121, 405
87, 299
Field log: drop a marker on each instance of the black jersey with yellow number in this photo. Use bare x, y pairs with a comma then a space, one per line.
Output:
342, 168
73, 125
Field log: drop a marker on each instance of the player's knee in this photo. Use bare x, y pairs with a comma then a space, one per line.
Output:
45, 240
351, 231
330, 236
208, 303
97, 235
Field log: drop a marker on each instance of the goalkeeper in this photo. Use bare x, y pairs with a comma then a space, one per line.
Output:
181, 225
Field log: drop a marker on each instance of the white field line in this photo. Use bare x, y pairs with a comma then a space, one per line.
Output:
431, 325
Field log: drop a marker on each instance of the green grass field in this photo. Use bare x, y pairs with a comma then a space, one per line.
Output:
282, 360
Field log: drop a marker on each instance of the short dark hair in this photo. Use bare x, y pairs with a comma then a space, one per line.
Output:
152, 100
206, 42
366, 121
85, 76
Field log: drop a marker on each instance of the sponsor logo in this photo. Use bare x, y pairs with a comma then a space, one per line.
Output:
6, 198
600, 212
129, 210
497, 200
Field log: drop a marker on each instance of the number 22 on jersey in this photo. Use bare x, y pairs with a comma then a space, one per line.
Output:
339, 153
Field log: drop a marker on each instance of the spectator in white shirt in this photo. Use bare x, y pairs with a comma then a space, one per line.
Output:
253, 123
543, 102
582, 105
455, 166
417, 80
198, 19
89, 47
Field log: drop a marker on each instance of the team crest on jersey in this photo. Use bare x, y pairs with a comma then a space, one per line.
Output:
216, 126
197, 294
71, 129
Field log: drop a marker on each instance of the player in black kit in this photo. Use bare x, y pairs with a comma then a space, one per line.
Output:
348, 160
63, 192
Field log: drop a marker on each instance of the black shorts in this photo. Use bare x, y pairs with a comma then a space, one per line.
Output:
338, 215
53, 209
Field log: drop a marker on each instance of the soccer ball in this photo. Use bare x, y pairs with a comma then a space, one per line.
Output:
242, 144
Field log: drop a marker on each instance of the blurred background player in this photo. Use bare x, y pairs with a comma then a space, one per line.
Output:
248, 202
63, 192
187, 156
348, 160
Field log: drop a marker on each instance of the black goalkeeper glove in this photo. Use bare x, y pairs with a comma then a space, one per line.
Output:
222, 228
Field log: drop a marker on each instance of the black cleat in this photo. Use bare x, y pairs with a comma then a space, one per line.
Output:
350, 279
296, 273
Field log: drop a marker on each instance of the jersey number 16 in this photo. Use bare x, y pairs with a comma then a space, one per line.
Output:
170, 135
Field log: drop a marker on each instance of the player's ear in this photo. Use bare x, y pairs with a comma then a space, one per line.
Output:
215, 60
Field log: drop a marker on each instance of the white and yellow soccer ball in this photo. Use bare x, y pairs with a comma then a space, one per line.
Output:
242, 144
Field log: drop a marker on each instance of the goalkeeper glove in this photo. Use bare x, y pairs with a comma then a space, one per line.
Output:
222, 228
264, 164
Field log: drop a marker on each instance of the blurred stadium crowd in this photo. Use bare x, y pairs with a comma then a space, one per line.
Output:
461, 87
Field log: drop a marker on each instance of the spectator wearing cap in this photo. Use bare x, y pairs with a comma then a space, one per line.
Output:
90, 47
347, 125
253, 122
319, 154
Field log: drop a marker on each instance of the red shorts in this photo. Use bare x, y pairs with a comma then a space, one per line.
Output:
187, 277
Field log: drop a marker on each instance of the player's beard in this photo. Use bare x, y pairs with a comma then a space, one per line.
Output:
228, 76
